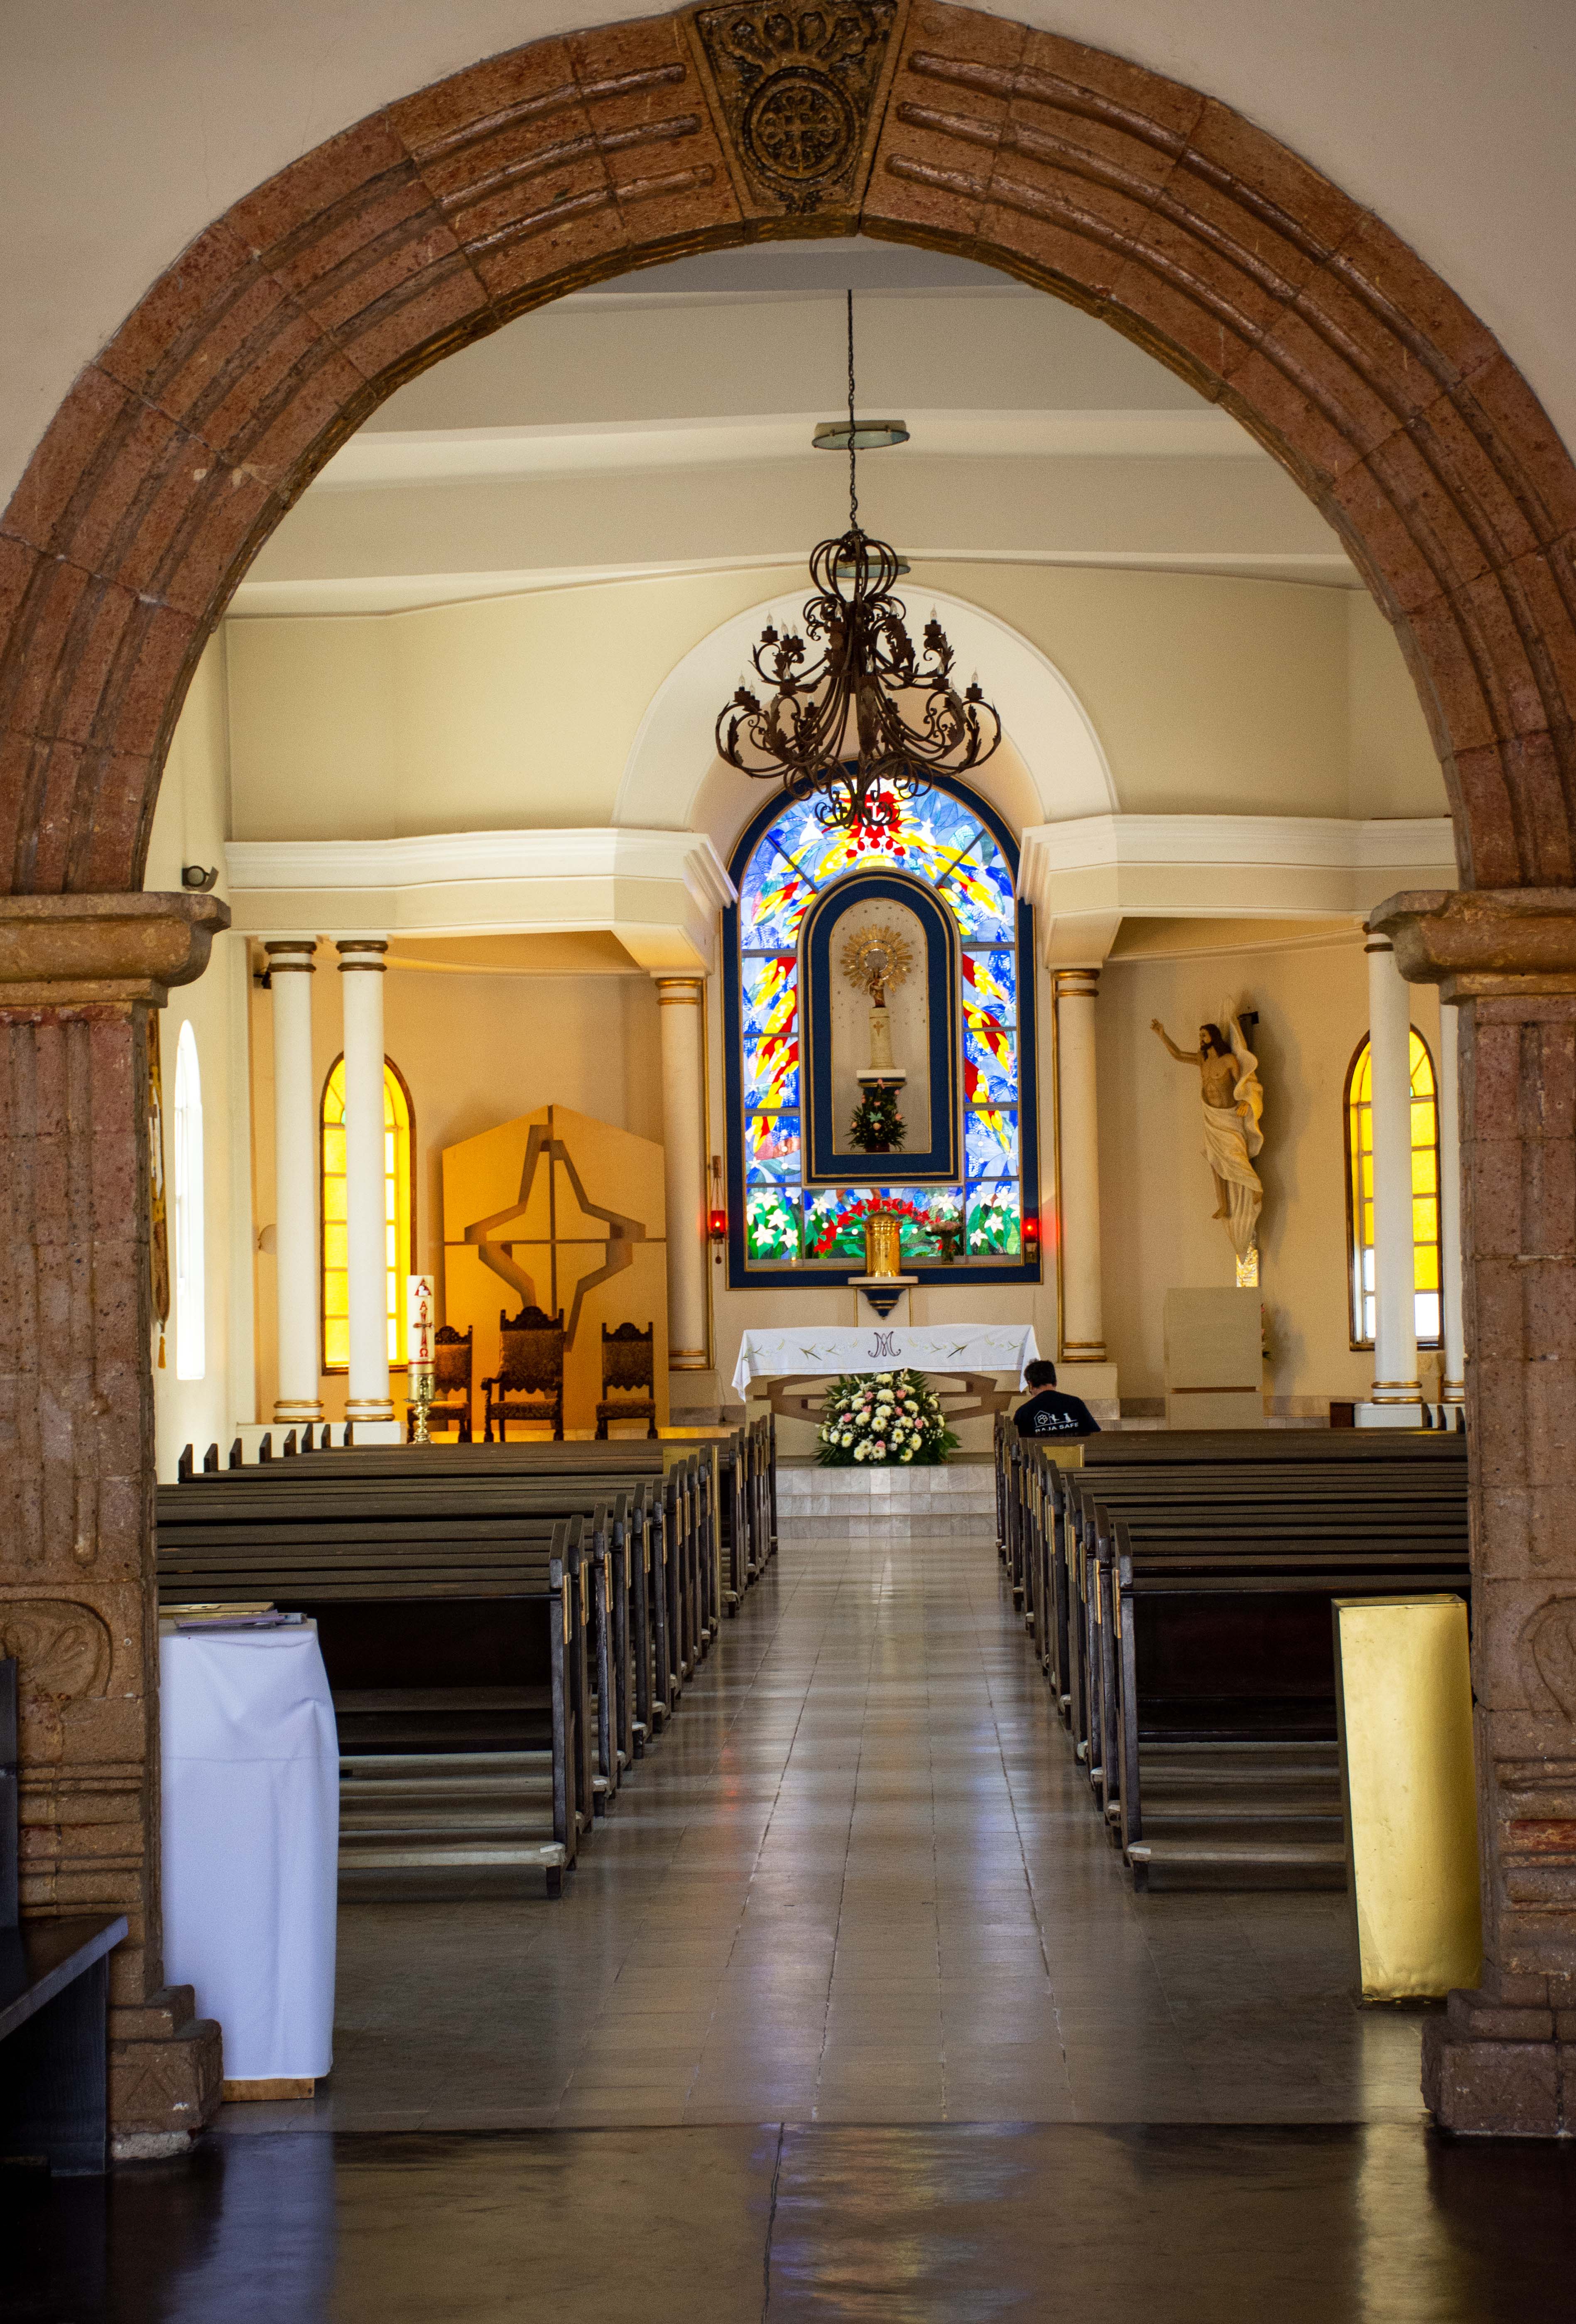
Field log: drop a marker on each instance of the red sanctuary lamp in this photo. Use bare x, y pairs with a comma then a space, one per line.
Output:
717, 1216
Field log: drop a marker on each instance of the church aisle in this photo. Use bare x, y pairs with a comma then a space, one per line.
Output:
857, 1883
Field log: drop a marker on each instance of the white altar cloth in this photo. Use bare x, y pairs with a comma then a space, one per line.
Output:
251, 1798
859, 1348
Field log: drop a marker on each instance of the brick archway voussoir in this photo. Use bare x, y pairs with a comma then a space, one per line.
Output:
431, 223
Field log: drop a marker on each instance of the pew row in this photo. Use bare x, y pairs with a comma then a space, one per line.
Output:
651, 1553
487, 1613
1180, 1608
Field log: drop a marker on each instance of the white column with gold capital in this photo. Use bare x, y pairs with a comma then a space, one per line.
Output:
295, 1176
681, 1001
367, 1403
1397, 1398
1078, 1166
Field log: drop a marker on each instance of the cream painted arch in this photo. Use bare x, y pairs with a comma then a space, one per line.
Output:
1041, 716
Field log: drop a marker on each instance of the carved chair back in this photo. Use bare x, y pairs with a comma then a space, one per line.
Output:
531, 1353
451, 1363
628, 1358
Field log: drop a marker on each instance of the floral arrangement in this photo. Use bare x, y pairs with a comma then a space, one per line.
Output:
885, 1419
877, 1127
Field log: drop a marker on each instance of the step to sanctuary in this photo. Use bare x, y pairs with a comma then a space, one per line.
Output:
955, 1502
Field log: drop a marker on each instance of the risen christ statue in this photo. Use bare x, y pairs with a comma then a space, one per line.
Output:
1233, 1102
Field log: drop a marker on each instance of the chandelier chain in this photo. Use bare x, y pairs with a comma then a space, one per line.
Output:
842, 707
852, 471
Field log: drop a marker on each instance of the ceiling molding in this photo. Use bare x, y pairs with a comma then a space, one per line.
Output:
385, 458
1085, 876
659, 892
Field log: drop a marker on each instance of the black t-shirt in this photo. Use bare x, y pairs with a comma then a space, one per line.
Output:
1052, 1413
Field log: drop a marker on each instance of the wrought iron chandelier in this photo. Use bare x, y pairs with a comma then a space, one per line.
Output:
867, 692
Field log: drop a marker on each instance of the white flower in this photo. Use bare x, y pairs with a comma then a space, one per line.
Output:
846, 1438
908, 1453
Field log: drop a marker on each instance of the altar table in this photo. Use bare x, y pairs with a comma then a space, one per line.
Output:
832, 1350
251, 1816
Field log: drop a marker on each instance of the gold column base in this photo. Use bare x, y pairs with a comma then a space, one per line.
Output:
368, 1407
287, 1413
1083, 1351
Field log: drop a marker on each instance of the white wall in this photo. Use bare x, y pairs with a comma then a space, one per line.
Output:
126, 125
190, 827
1156, 1190
1209, 695
474, 1050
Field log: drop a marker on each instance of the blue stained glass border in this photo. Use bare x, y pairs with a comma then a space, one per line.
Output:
741, 1275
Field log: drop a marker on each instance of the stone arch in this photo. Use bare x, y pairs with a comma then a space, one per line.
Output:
443, 216
440, 218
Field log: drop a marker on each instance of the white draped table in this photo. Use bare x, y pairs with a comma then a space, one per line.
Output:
250, 1814
832, 1350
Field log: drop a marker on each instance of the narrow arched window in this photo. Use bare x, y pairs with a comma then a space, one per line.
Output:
1426, 1273
191, 1320
399, 1215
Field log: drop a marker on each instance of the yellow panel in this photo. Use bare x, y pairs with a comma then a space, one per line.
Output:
618, 1171
1403, 1692
334, 1199
336, 1292
1425, 1178
335, 1342
482, 1175
1426, 1267
336, 1245
483, 1180
638, 1294
334, 1151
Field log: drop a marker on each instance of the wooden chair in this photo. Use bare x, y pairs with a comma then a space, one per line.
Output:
629, 1361
528, 1383
451, 1385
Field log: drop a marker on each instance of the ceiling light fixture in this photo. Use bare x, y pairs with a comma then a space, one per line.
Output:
867, 680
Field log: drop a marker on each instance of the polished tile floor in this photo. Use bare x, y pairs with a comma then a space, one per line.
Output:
859, 1881
851, 2014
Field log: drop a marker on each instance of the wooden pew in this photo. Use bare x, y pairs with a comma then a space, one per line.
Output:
487, 1608
1227, 1641
1236, 1543
627, 1616
1279, 1499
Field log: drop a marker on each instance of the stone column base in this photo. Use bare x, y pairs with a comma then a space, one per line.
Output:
1493, 2072
165, 2074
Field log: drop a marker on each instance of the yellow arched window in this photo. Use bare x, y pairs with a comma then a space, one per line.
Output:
1360, 1196
399, 1215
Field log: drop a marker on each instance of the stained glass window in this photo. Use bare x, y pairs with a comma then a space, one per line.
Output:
399, 1215
1360, 1196
942, 839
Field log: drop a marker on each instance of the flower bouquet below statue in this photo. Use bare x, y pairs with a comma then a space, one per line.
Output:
885, 1420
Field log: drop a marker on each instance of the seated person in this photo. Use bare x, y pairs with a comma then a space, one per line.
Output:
1047, 1412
